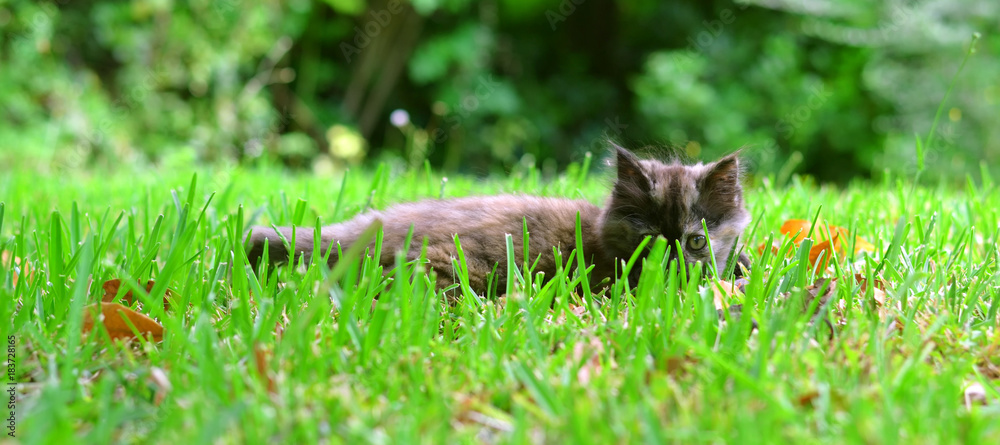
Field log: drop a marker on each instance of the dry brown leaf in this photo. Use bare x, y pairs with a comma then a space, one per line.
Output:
878, 296
877, 287
677, 365
829, 288
279, 326
112, 317
895, 326
261, 358
861, 280
806, 399
111, 290
988, 366
477, 409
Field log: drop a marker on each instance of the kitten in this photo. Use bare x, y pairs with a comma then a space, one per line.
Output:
649, 198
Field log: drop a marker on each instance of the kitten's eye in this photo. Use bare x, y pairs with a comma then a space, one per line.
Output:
697, 242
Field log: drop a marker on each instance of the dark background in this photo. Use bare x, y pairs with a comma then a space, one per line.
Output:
837, 90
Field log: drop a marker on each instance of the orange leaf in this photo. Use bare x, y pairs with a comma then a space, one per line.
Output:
723, 292
835, 231
827, 246
762, 246
860, 244
807, 399
113, 317
776, 250
18, 269
821, 248
111, 290
796, 229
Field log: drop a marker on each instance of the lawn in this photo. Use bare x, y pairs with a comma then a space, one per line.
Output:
906, 349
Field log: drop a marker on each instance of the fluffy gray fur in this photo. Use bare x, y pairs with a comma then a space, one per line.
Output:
649, 198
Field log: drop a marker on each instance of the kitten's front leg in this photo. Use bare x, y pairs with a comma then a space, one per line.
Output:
744, 261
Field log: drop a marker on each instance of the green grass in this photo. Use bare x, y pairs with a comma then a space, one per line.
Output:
647, 364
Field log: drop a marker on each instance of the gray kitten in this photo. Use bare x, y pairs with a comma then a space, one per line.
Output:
649, 198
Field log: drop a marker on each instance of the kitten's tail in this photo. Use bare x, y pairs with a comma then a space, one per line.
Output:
277, 249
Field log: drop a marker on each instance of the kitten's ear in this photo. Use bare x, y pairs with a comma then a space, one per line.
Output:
721, 180
629, 169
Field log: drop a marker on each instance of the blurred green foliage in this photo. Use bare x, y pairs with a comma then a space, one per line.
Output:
489, 84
